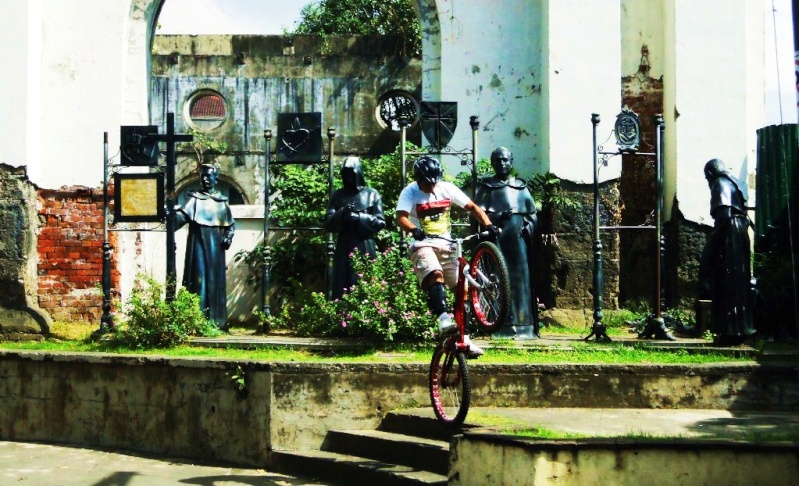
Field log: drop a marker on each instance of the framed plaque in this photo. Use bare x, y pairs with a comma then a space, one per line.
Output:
139, 198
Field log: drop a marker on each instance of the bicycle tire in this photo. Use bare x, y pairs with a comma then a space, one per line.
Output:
491, 302
450, 388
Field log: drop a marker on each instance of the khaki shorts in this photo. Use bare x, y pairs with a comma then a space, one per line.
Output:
427, 259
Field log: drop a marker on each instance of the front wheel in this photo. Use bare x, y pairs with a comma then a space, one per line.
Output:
450, 389
491, 299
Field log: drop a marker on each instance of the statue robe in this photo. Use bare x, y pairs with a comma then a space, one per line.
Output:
356, 229
510, 206
211, 228
725, 269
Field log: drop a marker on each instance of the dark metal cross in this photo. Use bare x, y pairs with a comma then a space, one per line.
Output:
439, 119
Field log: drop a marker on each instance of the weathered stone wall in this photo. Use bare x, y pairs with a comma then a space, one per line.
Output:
638, 190
195, 408
20, 316
70, 245
565, 252
262, 76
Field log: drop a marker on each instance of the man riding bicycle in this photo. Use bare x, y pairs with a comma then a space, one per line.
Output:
424, 209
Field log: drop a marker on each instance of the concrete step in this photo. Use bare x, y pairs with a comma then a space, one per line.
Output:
406, 450
337, 468
420, 423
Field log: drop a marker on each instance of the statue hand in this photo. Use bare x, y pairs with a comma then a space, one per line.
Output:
506, 214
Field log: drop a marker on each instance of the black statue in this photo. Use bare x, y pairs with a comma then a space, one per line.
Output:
724, 269
355, 212
510, 206
211, 228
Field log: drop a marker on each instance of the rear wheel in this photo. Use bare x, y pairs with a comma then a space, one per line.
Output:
491, 300
450, 390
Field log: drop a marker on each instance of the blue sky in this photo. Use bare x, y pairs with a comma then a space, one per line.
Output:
229, 16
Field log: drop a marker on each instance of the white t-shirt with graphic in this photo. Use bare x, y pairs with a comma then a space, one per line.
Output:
432, 212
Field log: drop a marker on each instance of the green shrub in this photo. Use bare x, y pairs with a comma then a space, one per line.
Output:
386, 304
149, 321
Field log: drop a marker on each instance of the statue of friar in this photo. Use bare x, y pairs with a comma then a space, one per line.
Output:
510, 206
724, 268
211, 228
355, 213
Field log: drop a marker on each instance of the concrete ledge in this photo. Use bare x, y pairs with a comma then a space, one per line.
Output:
195, 408
500, 459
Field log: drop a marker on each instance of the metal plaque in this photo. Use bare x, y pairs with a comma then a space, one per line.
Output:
628, 131
138, 198
139, 145
299, 138
439, 119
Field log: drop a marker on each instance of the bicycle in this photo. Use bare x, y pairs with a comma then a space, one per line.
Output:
483, 289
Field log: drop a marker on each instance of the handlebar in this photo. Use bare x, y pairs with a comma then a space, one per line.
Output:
480, 234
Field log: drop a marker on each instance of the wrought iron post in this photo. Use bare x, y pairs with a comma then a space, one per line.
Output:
106, 321
659, 214
474, 122
331, 136
265, 304
404, 122
598, 329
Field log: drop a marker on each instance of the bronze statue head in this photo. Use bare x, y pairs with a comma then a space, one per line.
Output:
502, 162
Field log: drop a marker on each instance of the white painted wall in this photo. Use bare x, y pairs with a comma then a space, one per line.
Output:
719, 89
583, 76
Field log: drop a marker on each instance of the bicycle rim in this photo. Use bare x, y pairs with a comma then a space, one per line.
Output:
450, 390
491, 300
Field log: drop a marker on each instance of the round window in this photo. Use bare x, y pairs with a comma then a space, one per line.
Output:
206, 110
395, 105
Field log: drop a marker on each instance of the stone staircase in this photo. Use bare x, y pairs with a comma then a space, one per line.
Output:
407, 448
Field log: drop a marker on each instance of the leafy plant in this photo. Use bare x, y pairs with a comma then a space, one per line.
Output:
205, 148
149, 320
239, 379
386, 304
548, 194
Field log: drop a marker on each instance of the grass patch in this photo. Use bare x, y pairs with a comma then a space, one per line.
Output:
578, 352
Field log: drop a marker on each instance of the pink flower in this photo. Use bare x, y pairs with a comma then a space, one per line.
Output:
343, 323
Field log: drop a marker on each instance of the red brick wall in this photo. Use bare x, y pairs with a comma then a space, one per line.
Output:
70, 248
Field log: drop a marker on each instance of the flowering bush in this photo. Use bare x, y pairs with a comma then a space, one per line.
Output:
386, 304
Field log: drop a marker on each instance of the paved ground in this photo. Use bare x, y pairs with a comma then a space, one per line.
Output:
31, 464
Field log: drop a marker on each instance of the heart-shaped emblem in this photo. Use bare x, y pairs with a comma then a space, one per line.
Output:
295, 138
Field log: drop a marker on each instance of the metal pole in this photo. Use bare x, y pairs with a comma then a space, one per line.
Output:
404, 123
331, 136
659, 214
598, 330
106, 321
265, 304
475, 124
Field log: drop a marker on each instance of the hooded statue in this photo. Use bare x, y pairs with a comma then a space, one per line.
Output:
211, 228
355, 213
510, 206
725, 269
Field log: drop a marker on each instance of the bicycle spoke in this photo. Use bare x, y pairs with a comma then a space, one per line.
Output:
449, 384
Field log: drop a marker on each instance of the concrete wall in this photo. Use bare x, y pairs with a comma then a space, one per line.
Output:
195, 408
486, 459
